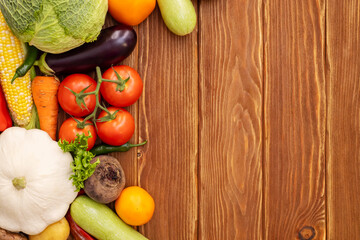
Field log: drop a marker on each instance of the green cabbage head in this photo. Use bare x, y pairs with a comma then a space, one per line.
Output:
55, 26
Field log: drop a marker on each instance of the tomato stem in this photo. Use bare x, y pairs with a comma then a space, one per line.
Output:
81, 124
98, 104
120, 83
80, 97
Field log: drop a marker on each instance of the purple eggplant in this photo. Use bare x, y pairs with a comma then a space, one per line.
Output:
113, 45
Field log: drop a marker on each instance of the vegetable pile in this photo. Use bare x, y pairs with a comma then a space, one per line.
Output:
58, 178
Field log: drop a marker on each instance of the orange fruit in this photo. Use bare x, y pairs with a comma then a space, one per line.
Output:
135, 206
131, 12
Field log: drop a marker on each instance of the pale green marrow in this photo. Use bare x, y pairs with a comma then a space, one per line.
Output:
100, 221
178, 15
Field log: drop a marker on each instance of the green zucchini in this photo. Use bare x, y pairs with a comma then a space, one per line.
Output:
100, 221
178, 15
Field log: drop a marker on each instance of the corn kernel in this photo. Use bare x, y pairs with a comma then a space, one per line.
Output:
18, 95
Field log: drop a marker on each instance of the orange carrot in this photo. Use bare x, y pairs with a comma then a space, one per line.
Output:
44, 91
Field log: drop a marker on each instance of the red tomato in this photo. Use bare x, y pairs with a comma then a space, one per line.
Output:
69, 129
77, 83
117, 131
132, 88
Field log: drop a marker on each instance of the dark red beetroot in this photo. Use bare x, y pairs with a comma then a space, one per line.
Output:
107, 181
113, 45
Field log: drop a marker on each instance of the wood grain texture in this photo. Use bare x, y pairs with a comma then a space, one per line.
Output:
168, 118
294, 120
230, 183
253, 122
343, 141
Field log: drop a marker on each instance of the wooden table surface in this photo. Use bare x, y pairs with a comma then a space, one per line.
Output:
253, 122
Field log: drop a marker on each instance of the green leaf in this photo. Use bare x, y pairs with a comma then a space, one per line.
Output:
81, 165
55, 26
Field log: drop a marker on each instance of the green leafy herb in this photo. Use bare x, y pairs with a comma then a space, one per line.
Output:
81, 166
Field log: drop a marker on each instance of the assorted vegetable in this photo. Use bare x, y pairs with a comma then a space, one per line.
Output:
107, 181
178, 15
131, 12
34, 180
77, 232
117, 128
5, 119
30, 58
72, 127
114, 126
113, 45
55, 26
73, 95
106, 148
100, 221
18, 95
60, 229
41, 178
81, 166
126, 89
135, 206
44, 91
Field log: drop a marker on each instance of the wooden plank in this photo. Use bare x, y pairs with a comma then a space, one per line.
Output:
230, 148
295, 120
343, 141
168, 115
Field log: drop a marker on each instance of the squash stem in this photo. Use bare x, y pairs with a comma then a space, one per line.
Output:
19, 183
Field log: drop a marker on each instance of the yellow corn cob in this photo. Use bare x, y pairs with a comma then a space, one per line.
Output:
18, 95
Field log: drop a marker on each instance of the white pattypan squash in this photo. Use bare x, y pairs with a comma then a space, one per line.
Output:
35, 189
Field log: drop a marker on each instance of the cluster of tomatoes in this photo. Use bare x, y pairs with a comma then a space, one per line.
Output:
124, 91
135, 206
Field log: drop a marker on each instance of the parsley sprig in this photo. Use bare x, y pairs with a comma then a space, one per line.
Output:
81, 165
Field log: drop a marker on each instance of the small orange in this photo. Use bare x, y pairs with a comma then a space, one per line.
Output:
135, 206
131, 12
